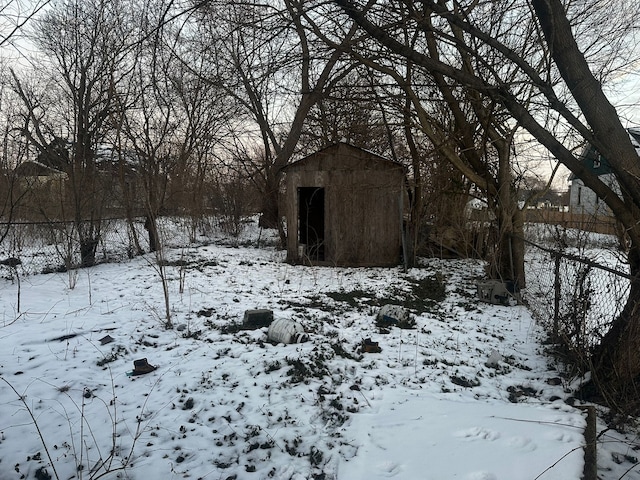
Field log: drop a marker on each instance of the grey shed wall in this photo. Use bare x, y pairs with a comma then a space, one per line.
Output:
362, 211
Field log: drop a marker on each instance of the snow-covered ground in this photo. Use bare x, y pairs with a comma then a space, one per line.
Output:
224, 403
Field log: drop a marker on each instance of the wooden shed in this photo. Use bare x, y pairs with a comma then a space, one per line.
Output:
344, 207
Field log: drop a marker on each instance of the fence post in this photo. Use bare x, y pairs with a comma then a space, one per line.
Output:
556, 294
590, 471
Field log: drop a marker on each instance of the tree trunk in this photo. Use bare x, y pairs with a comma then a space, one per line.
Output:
88, 248
616, 361
269, 216
509, 257
152, 229
88, 235
412, 230
517, 248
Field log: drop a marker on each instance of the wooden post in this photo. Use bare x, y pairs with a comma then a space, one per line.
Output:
590, 471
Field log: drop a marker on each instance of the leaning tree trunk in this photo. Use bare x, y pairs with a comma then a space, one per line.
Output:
616, 361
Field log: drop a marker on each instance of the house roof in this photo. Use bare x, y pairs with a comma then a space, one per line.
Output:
634, 133
33, 168
55, 160
598, 164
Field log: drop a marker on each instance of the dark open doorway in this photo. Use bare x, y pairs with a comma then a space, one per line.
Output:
311, 221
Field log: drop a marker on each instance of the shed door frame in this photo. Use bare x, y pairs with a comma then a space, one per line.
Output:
311, 222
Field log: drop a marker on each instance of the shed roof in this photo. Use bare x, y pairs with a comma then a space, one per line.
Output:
346, 152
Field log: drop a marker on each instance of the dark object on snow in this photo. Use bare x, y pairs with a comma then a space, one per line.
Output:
140, 367
254, 319
64, 337
498, 292
42, 474
11, 262
106, 339
369, 346
284, 330
394, 316
518, 391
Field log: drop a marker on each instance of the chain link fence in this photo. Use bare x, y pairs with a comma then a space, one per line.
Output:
53, 246
576, 286
44, 247
577, 283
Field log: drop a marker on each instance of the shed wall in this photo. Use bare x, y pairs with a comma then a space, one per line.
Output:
363, 208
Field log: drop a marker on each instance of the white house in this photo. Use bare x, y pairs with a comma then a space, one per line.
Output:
584, 200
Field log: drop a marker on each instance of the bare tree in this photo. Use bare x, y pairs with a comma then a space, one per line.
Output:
13, 151
554, 66
462, 127
14, 16
275, 71
87, 45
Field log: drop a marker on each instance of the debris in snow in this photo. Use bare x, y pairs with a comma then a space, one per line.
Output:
497, 292
142, 366
368, 346
254, 319
394, 316
284, 330
518, 391
106, 339
494, 359
11, 262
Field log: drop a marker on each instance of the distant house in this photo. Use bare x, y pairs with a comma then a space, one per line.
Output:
344, 207
584, 200
47, 177
51, 163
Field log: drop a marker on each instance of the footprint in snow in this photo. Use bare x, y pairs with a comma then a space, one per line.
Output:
562, 437
522, 443
478, 433
389, 468
481, 476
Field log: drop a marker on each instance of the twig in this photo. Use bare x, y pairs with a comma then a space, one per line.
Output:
557, 462
35, 423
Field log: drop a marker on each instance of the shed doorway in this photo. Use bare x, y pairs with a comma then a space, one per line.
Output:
311, 222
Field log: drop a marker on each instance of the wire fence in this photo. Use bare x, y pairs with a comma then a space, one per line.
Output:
45, 247
52, 246
576, 289
577, 283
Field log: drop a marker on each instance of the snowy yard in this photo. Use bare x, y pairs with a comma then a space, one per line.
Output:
224, 403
